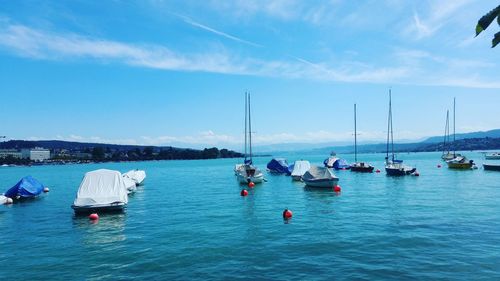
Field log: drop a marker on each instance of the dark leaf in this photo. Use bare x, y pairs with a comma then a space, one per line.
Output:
495, 40
486, 20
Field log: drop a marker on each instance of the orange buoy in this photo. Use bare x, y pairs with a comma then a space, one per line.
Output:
94, 216
251, 184
287, 214
46, 189
244, 192
337, 188
377, 171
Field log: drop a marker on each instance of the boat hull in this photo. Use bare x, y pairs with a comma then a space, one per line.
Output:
362, 168
296, 178
102, 208
491, 167
397, 172
460, 166
323, 183
492, 157
245, 180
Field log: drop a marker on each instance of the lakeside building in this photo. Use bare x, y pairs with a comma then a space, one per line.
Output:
37, 154
4, 153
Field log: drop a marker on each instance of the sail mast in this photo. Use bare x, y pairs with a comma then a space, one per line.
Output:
454, 145
250, 129
392, 131
446, 139
246, 122
355, 138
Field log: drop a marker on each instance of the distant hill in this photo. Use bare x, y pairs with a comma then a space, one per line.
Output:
473, 135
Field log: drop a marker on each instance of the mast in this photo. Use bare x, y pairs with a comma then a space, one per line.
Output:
388, 128
250, 129
246, 106
392, 133
355, 138
454, 145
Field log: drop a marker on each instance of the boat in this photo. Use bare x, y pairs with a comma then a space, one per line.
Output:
492, 156
491, 167
278, 166
458, 161
138, 176
393, 166
447, 155
320, 177
299, 169
247, 172
129, 184
336, 163
361, 167
26, 188
101, 191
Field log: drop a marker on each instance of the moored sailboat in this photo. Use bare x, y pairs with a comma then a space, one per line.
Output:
393, 166
247, 172
359, 166
458, 161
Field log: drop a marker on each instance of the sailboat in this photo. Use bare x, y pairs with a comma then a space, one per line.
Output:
359, 166
394, 167
458, 161
247, 172
447, 155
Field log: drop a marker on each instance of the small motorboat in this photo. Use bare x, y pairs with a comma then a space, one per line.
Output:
299, 169
278, 166
362, 167
138, 176
491, 167
129, 184
28, 187
101, 191
320, 177
492, 156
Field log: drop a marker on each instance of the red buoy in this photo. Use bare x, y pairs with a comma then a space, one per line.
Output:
337, 188
439, 165
251, 184
46, 189
287, 214
377, 171
94, 216
244, 192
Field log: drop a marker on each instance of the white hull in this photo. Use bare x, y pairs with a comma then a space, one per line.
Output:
493, 156
329, 183
259, 178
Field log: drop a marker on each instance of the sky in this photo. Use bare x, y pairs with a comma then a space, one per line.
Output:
175, 72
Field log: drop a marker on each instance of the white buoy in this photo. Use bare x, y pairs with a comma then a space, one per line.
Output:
46, 189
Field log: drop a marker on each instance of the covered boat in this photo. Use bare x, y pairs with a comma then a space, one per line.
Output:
320, 177
138, 176
299, 169
278, 166
27, 187
101, 190
129, 184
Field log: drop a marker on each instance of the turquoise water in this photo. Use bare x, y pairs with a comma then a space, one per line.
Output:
189, 222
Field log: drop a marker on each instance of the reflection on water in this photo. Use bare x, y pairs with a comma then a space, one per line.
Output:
109, 228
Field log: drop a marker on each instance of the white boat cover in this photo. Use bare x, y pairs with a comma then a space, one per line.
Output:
3, 199
101, 187
300, 168
136, 175
129, 184
317, 173
331, 160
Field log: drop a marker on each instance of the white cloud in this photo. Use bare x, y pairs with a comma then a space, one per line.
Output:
37, 44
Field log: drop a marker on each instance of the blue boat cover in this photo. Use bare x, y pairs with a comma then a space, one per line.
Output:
26, 187
278, 165
341, 164
290, 169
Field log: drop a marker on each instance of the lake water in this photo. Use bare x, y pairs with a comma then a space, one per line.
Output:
190, 222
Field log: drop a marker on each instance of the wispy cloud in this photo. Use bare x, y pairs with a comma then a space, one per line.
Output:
223, 34
37, 44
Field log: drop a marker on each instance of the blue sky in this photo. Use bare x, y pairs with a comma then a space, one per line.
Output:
175, 72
